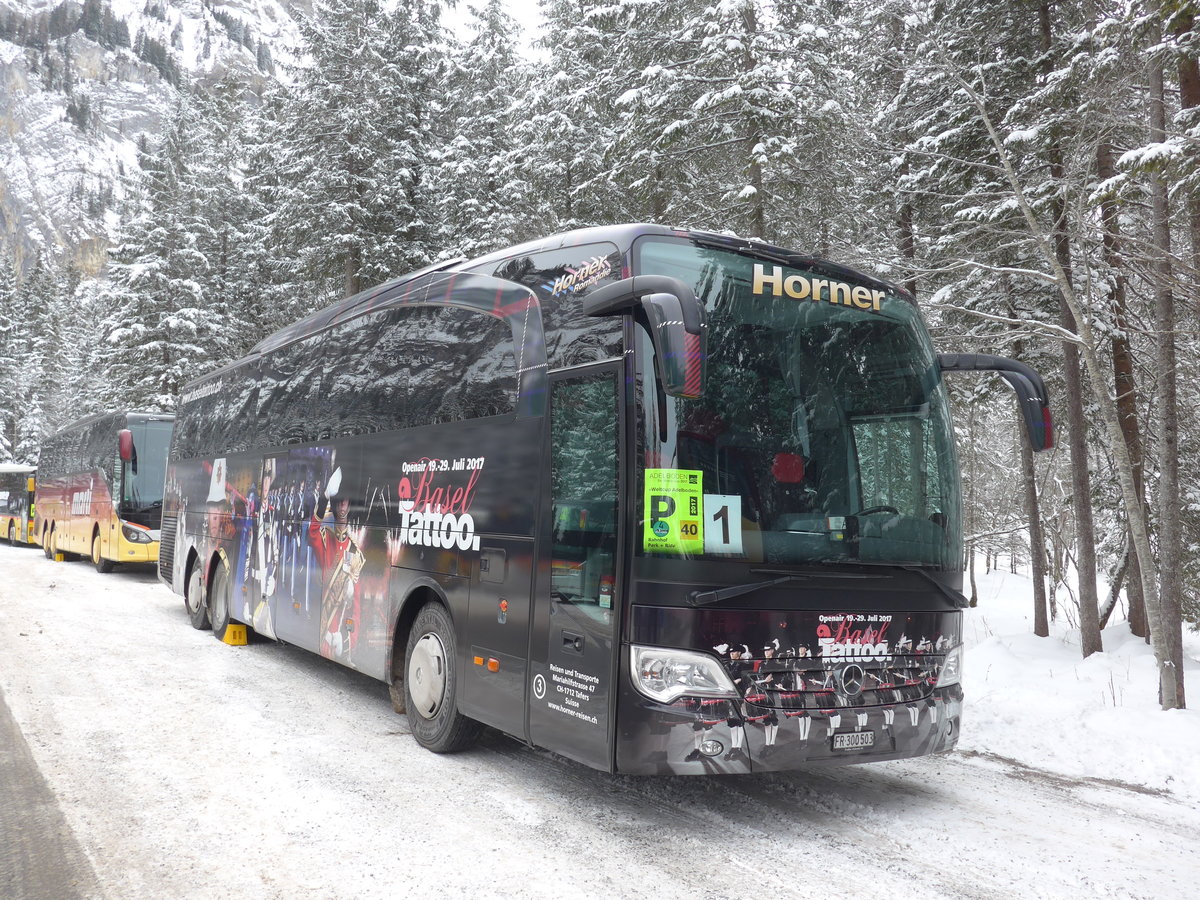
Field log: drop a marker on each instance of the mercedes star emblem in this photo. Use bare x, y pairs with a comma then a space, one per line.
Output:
852, 678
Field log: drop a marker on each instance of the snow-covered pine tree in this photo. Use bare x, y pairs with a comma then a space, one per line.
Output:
161, 323
37, 303
482, 178
569, 121
10, 332
356, 134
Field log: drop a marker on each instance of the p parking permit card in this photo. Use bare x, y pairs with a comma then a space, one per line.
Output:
674, 512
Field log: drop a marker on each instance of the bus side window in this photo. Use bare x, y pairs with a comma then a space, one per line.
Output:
396, 372
290, 387
235, 415
584, 488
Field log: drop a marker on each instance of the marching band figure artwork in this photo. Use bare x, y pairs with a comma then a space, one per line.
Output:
266, 550
341, 563
791, 681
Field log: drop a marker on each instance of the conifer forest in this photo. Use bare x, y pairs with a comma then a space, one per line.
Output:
1029, 169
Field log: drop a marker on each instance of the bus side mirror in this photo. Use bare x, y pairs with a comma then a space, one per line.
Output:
675, 320
125, 448
1028, 384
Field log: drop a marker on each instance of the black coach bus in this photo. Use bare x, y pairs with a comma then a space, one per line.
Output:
659, 501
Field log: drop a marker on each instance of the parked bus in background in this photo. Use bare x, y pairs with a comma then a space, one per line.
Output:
100, 488
659, 501
16, 502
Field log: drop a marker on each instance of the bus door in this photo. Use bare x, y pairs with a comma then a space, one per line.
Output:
575, 616
497, 633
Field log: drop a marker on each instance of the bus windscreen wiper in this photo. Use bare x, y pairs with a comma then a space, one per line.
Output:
956, 597
706, 598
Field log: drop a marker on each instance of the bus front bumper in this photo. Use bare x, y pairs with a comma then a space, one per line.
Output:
731, 737
137, 552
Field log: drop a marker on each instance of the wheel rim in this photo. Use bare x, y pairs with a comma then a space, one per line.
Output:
194, 592
220, 610
427, 675
96, 550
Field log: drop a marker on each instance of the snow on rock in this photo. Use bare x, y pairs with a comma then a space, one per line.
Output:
70, 143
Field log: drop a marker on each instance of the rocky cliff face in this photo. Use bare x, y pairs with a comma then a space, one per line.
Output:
83, 81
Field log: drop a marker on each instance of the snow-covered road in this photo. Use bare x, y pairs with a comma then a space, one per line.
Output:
186, 768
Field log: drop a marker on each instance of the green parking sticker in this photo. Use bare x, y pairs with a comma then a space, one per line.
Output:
674, 512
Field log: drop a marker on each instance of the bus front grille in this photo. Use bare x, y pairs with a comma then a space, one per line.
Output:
790, 685
166, 550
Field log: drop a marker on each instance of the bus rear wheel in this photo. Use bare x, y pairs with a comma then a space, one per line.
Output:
219, 599
430, 684
193, 600
103, 566
49, 545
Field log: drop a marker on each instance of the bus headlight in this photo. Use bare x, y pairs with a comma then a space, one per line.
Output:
666, 675
136, 535
951, 668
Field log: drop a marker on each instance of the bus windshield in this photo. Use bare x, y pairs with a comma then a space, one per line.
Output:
144, 490
823, 434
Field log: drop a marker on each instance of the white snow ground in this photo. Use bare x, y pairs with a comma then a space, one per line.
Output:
189, 769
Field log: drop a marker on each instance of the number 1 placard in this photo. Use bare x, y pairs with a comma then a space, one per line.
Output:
723, 523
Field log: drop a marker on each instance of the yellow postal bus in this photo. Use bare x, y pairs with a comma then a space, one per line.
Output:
100, 488
16, 503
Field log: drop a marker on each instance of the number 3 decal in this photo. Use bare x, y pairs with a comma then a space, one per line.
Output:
723, 523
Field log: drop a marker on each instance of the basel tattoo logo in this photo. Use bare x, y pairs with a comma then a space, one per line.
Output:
433, 515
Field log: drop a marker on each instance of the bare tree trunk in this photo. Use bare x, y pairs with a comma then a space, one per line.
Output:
1169, 624
1037, 543
908, 245
658, 202
1053, 568
758, 210
1139, 526
1189, 98
1114, 593
353, 271
1123, 374
971, 571
1081, 486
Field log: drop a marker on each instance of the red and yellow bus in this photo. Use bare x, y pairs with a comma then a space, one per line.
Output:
16, 503
100, 488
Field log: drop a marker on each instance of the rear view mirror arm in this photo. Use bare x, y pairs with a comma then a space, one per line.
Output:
1027, 383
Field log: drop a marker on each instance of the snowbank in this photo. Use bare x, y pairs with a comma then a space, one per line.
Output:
1036, 701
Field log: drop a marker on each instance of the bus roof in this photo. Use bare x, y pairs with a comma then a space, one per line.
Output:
11, 468
377, 297
130, 417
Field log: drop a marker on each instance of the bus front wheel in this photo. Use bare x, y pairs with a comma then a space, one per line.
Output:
193, 599
430, 685
12, 534
103, 566
219, 599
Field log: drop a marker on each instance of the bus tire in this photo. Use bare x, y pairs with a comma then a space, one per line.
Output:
103, 566
219, 599
193, 600
430, 684
46, 550
12, 534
